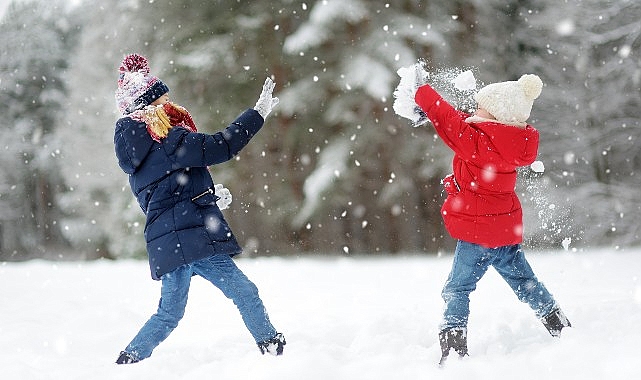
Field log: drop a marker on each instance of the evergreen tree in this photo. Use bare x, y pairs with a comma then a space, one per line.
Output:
334, 63
589, 117
102, 218
34, 50
334, 170
382, 193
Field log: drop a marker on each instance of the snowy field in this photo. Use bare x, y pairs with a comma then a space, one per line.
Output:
344, 318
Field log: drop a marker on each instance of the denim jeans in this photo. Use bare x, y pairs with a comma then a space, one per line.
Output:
471, 261
221, 271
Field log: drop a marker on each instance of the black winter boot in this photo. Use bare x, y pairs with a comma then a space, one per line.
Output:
555, 321
126, 358
273, 346
456, 338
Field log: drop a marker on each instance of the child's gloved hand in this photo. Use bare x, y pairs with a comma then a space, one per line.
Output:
266, 102
412, 77
421, 117
224, 196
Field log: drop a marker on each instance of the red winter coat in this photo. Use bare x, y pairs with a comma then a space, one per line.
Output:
482, 206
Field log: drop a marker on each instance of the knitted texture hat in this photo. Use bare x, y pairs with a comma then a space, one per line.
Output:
137, 88
510, 102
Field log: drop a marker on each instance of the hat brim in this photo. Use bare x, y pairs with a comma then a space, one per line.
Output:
155, 91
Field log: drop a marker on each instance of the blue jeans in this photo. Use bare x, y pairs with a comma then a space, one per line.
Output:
221, 271
471, 261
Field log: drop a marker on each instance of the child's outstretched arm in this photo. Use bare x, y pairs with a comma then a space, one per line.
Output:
199, 149
449, 123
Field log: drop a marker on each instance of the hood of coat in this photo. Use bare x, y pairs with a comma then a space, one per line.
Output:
517, 146
132, 143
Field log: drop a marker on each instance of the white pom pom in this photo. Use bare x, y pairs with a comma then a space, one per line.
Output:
532, 85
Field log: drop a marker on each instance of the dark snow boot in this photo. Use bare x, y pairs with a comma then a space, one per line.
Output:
273, 346
453, 338
126, 358
555, 321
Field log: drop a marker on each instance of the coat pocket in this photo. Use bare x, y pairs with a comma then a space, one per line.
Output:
212, 218
206, 198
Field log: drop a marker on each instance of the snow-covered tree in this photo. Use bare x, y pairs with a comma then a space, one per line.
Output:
587, 53
102, 218
385, 194
36, 38
334, 169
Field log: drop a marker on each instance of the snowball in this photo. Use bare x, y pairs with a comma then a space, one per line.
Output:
537, 166
465, 81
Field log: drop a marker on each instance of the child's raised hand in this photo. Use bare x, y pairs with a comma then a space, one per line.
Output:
266, 102
412, 77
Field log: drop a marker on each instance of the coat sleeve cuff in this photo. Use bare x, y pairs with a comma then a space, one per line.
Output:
426, 97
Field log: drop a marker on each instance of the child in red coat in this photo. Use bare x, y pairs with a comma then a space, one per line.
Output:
482, 210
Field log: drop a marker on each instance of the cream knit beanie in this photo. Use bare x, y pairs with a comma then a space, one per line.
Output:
510, 102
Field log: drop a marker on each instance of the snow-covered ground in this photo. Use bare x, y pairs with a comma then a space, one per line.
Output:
344, 318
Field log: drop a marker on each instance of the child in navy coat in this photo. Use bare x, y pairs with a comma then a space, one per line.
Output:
167, 160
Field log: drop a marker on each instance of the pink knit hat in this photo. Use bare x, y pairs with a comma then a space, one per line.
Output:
137, 88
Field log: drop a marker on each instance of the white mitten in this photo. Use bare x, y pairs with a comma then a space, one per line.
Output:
224, 196
266, 102
412, 77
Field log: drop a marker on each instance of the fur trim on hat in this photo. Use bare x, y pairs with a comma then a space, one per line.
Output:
510, 102
137, 88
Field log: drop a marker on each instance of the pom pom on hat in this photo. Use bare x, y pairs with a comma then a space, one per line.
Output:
134, 63
532, 85
137, 88
510, 102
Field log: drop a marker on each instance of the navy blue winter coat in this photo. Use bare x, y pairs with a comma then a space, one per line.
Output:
167, 176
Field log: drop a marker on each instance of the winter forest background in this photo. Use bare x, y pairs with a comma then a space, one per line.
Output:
334, 170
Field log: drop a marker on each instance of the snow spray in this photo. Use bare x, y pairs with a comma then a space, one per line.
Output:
553, 220
456, 85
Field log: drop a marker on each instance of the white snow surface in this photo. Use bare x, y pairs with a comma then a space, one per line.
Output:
343, 317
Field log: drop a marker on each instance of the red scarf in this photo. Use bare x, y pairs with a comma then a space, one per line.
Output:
160, 119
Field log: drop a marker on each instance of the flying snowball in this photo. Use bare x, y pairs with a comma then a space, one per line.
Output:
465, 81
537, 166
